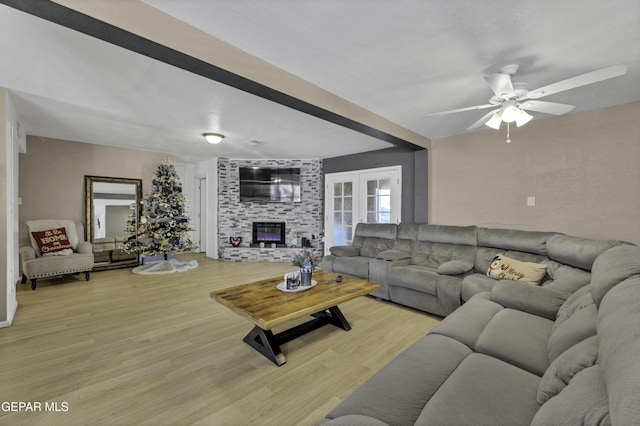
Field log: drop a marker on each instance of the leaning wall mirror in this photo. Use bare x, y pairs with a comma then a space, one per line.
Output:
111, 204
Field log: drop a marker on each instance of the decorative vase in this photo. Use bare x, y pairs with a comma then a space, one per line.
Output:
305, 277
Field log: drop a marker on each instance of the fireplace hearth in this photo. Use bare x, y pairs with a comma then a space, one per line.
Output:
268, 233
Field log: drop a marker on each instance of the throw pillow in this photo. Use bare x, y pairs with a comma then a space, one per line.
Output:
455, 267
52, 241
505, 268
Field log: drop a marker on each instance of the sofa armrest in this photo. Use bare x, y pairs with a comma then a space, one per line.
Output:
455, 267
27, 253
540, 301
344, 251
391, 255
85, 247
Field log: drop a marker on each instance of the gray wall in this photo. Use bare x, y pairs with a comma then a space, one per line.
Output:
235, 217
414, 175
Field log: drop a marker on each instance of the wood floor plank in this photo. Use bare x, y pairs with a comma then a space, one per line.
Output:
131, 349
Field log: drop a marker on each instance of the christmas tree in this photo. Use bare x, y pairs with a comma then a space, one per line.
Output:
164, 224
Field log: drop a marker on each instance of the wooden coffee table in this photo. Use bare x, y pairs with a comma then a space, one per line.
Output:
267, 307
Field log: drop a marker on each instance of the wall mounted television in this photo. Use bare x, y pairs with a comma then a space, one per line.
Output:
269, 184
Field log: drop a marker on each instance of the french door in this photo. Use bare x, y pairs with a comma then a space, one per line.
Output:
369, 196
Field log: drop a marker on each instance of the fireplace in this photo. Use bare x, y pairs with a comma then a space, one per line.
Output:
268, 233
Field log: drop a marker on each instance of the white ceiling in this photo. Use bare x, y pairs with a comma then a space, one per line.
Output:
401, 59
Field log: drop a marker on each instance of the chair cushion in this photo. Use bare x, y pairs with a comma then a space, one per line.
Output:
517, 338
398, 393
483, 391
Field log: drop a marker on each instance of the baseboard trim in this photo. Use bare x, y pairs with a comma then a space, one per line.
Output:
11, 312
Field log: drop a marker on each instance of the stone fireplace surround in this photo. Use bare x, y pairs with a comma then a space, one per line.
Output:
235, 218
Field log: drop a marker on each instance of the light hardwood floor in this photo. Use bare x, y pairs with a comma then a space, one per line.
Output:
126, 349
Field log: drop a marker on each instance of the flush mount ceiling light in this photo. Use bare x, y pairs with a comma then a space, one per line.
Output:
213, 137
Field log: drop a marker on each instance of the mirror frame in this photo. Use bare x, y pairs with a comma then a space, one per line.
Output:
89, 209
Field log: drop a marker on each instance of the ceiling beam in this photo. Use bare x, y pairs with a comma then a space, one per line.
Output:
75, 20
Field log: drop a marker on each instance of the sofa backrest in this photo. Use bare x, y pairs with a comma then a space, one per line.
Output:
437, 244
571, 259
619, 350
406, 237
526, 246
462, 235
612, 267
594, 348
516, 240
568, 259
575, 251
373, 238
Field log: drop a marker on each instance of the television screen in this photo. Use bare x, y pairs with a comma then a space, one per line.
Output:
270, 184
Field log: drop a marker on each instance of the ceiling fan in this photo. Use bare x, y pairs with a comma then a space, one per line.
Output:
513, 99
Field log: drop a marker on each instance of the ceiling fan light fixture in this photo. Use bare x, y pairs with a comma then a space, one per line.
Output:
213, 138
510, 113
495, 121
523, 117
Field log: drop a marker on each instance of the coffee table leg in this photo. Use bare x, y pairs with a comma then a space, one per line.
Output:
334, 317
338, 318
264, 342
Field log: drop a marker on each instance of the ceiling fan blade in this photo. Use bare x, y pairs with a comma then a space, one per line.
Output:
546, 107
483, 120
473, 108
500, 84
577, 81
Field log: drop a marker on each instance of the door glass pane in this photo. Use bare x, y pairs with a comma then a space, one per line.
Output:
348, 234
348, 204
371, 204
372, 187
337, 218
379, 201
337, 204
342, 213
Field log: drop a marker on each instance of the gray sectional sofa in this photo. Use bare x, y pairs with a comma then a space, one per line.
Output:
435, 268
519, 354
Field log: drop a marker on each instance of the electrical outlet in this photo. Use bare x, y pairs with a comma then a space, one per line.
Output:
531, 201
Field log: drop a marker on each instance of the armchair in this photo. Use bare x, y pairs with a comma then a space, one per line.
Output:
50, 248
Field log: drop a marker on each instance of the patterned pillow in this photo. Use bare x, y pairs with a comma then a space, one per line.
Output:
505, 268
53, 241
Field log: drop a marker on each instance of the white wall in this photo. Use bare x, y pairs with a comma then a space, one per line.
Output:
209, 170
583, 170
14, 141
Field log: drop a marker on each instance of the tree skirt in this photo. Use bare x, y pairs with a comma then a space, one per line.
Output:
165, 267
